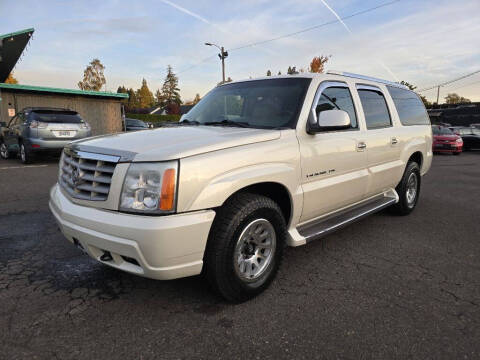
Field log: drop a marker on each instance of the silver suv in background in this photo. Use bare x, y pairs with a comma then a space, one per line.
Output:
41, 129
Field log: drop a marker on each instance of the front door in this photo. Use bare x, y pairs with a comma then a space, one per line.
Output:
334, 163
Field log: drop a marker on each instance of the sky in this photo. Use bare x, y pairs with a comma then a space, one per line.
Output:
424, 42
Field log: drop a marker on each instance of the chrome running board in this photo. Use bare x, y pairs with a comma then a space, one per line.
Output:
324, 226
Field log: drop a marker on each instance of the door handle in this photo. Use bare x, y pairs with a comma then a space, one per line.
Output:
361, 146
394, 141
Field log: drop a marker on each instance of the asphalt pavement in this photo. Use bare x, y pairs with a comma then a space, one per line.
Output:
385, 287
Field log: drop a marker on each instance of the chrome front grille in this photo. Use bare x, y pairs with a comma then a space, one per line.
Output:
86, 176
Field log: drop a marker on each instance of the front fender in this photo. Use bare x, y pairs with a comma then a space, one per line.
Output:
221, 187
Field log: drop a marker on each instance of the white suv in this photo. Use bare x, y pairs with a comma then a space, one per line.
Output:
254, 166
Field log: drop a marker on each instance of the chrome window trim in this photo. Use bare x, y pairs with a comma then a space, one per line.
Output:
324, 85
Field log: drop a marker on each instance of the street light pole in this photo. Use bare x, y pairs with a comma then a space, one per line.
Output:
223, 54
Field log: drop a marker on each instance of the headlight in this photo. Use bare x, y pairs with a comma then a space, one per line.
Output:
150, 188
459, 140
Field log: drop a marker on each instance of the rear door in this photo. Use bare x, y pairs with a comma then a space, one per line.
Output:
334, 163
381, 139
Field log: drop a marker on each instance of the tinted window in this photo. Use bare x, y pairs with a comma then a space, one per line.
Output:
409, 107
47, 116
440, 130
375, 109
259, 103
337, 98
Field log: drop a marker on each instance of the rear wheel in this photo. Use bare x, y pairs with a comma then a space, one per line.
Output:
245, 246
26, 155
4, 153
408, 190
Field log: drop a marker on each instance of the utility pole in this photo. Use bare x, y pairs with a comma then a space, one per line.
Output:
223, 54
438, 94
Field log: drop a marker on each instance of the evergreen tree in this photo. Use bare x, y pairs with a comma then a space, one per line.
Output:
144, 96
269, 73
132, 100
170, 92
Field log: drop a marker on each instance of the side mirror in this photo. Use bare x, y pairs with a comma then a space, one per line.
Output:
330, 120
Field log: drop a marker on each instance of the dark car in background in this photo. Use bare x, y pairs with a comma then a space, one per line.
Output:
135, 125
446, 141
39, 129
469, 135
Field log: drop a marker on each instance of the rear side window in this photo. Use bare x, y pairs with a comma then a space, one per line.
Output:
375, 109
337, 98
70, 117
410, 108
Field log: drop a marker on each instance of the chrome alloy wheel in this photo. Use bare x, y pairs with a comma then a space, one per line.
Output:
412, 186
3, 150
254, 250
22, 152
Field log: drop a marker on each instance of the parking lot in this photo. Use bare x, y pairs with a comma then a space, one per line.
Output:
385, 287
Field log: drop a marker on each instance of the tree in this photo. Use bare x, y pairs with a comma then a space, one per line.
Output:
196, 99
279, 73
11, 79
454, 98
292, 70
317, 65
93, 78
170, 92
144, 96
158, 97
412, 87
132, 100
269, 73
123, 90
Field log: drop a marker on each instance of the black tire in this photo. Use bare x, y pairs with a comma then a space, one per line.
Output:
456, 153
4, 153
26, 155
405, 204
238, 214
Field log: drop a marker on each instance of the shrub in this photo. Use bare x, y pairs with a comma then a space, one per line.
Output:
156, 120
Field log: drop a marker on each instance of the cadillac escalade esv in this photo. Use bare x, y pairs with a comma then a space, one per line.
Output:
254, 166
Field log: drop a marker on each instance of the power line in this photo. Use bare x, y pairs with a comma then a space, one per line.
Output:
296, 32
449, 82
316, 26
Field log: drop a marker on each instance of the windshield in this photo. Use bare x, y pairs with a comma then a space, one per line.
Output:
440, 130
264, 104
138, 123
46, 116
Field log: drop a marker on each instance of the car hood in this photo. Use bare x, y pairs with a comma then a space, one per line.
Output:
175, 142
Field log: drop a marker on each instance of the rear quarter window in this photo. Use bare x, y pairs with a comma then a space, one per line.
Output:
410, 108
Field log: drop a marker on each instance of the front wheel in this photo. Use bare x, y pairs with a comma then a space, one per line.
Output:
4, 153
408, 190
245, 246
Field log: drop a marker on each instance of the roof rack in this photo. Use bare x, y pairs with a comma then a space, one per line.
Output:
369, 78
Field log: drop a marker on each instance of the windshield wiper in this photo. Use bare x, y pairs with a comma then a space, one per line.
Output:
226, 122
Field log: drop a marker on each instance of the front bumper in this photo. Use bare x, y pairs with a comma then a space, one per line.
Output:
158, 247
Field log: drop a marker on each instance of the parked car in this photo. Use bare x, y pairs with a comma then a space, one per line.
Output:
470, 137
38, 130
135, 125
255, 165
446, 141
